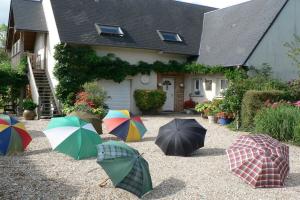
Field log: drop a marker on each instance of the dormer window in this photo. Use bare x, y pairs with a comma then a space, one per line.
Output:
169, 36
109, 30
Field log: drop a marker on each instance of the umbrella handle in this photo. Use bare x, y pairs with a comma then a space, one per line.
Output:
104, 183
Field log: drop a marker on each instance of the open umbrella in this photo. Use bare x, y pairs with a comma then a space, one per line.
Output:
126, 168
73, 136
259, 160
181, 137
13, 135
124, 125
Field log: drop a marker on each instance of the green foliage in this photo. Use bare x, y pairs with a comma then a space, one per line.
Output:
253, 101
28, 104
100, 111
297, 134
240, 83
3, 29
12, 79
149, 100
201, 107
95, 94
280, 123
77, 65
294, 50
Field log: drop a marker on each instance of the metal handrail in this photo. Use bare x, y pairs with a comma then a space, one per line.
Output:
34, 89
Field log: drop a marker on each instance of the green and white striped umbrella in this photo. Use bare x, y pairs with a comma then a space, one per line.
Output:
73, 136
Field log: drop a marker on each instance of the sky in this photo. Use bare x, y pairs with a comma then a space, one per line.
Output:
4, 6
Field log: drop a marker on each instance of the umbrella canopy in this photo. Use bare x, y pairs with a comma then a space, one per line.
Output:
73, 136
259, 160
124, 125
181, 137
13, 136
126, 168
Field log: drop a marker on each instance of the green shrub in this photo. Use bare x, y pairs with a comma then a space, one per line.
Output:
95, 93
297, 134
201, 107
280, 123
149, 100
28, 104
253, 101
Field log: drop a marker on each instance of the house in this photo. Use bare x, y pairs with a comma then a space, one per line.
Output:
247, 34
139, 30
251, 34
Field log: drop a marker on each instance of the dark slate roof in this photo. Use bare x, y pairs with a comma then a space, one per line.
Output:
231, 34
28, 15
139, 19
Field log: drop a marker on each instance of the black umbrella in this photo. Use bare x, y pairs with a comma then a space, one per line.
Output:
181, 137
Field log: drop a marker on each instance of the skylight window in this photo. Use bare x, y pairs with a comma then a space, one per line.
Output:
169, 36
109, 30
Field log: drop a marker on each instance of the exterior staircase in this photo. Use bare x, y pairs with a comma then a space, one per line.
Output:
47, 106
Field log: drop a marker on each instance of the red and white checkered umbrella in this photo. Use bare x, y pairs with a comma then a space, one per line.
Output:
259, 160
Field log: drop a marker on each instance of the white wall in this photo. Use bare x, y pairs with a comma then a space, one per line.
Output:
39, 47
206, 95
133, 56
53, 39
271, 49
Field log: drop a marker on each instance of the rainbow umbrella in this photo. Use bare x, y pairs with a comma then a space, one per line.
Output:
124, 125
13, 136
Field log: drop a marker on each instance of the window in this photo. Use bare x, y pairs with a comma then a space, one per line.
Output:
169, 36
197, 87
224, 84
208, 85
109, 30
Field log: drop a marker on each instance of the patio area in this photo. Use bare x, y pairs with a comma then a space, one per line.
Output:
40, 173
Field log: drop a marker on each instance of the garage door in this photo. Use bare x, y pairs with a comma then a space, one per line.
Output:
118, 93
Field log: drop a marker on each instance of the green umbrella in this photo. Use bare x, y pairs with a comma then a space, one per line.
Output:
73, 136
126, 168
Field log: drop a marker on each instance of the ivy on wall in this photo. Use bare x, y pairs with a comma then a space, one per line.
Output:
78, 65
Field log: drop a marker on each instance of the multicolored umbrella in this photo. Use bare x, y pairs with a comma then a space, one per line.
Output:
73, 136
181, 137
124, 125
126, 168
13, 136
259, 160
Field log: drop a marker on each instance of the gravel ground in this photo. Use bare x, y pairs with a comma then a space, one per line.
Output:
40, 173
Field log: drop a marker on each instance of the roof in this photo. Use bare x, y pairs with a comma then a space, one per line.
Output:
231, 34
28, 15
139, 20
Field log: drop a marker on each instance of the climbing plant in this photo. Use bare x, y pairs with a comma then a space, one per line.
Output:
78, 65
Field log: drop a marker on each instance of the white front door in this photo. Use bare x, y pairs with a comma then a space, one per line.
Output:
168, 87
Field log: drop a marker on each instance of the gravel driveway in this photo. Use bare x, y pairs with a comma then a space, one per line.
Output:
40, 173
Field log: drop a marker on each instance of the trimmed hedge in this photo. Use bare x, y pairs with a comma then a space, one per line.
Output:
253, 101
281, 123
149, 101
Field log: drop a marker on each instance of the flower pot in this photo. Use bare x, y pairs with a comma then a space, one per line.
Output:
95, 120
28, 114
211, 119
224, 121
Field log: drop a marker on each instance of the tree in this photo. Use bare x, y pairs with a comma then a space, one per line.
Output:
294, 50
3, 29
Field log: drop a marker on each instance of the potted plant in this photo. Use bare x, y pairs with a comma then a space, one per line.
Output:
87, 113
225, 118
201, 107
89, 105
210, 113
189, 106
29, 106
